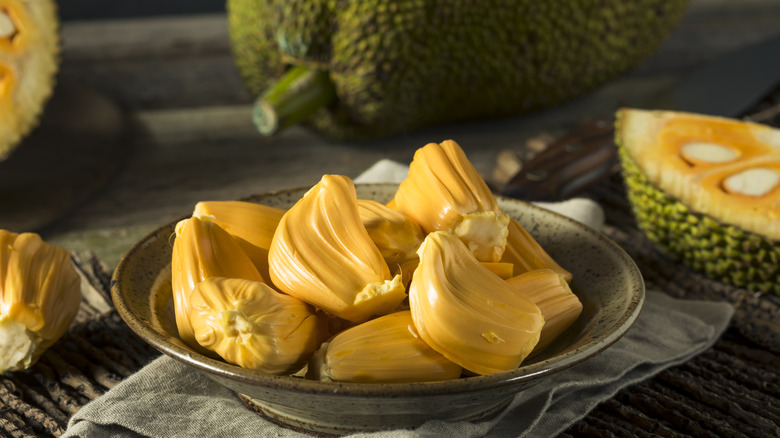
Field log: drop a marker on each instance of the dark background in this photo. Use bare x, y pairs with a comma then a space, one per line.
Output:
96, 9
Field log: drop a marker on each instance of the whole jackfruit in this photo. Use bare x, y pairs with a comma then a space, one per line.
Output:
363, 69
707, 190
29, 59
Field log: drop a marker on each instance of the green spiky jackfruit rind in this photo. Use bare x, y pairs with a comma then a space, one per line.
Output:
399, 66
722, 252
253, 46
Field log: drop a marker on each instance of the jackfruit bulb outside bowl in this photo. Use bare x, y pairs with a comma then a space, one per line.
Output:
356, 70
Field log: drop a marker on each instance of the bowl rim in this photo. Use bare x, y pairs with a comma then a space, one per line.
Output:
522, 374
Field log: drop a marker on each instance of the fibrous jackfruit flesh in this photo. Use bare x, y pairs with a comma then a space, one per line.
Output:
251, 224
250, 324
550, 291
396, 235
40, 294
444, 192
467, 313
525, 254
383, 350
201, 250
398, 66
707, 190
29, 59
322, 254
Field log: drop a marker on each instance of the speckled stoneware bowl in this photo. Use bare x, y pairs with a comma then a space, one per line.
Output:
605, 278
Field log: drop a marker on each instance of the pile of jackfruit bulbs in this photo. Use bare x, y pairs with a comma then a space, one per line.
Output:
435, 285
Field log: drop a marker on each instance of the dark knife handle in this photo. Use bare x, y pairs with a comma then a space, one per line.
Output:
569, 165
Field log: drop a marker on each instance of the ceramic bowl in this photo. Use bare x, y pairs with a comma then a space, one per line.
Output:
605, 278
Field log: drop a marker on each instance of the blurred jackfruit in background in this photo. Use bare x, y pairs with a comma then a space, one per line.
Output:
29, 60
366, 69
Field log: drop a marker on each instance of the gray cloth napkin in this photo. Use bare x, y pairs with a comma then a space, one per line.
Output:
168, 399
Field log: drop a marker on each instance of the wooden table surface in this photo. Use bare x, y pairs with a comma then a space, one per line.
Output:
190, 137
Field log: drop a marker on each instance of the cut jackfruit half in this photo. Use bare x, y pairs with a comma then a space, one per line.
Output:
707, 189
29, 59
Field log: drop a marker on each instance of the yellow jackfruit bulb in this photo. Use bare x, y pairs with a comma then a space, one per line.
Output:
525, 253
396, 235
444, 192
40, 294
251, 325
201, 250
502, 269
29, 59
322, 254
552, 294
466, 312
383, 350
252, 224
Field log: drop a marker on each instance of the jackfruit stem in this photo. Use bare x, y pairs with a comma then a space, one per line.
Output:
292, 99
